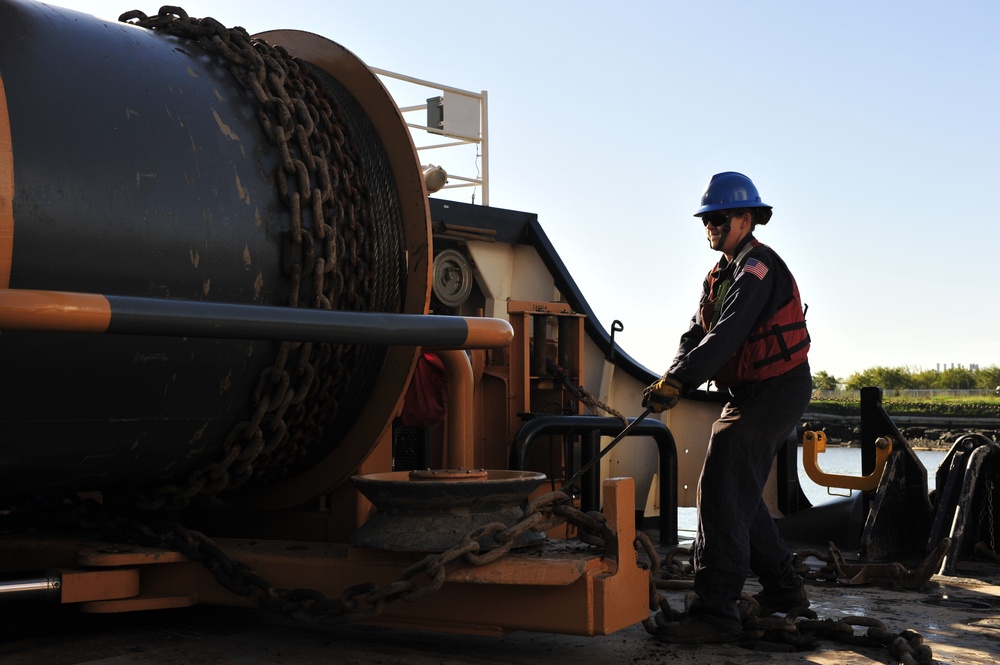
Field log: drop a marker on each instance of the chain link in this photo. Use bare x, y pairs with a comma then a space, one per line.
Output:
328, 258
799, 629
581, 393
362, 601
987, 522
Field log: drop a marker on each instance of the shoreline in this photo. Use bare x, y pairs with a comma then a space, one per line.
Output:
845, 432
913, 446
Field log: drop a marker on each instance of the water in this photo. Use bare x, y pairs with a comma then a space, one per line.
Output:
847, 461
837, 460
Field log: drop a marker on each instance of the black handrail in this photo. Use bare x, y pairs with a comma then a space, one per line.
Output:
588, 425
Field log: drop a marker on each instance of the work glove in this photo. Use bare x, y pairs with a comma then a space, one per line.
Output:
662, 394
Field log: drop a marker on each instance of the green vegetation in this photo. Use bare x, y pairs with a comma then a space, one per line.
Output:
958, 391
905, 378
969, 407
824, 381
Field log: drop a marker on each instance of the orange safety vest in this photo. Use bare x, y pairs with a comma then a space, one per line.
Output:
775, 346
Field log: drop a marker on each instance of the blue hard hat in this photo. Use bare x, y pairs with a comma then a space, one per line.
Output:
729, 191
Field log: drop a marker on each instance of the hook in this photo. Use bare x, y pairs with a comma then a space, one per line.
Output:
616, 326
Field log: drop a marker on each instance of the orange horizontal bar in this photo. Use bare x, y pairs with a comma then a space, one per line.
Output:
89, 585
53, 310
487, 333
94, 313
140, 603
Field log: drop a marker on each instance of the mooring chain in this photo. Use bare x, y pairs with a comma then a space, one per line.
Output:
540, 514
581, 393
235, 576
836, 568
321, 180
798, 630
658, 604
676, 566
987, 522
362, 601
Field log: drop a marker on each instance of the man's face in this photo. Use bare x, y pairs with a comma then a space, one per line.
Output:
715, 230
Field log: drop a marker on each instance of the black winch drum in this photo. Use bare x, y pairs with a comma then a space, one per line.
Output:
137, 166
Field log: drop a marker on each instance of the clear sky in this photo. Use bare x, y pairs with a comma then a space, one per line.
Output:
871, 127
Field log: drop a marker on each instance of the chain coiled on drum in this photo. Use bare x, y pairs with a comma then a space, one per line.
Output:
339, 254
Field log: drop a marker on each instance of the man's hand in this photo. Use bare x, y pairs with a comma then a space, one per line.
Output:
662, 394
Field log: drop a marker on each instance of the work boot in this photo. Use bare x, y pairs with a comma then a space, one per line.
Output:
781, 600
692, 630
783, 593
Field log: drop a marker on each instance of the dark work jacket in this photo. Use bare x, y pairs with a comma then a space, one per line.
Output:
750, 325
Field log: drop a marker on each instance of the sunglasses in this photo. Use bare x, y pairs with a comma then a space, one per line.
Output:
716, 219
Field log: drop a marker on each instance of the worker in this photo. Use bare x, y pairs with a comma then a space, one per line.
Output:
749, 337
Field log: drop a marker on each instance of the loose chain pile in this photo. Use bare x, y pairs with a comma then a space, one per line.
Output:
801, 629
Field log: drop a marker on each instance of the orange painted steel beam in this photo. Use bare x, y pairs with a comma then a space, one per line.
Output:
94, 313
567, 589
54, 311
459, 449
88, 585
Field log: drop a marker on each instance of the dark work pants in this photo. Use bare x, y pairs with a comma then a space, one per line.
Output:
736, 532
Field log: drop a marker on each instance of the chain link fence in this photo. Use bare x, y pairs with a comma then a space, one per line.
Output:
911, 394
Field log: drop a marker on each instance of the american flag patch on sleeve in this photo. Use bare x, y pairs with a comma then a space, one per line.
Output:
755, 268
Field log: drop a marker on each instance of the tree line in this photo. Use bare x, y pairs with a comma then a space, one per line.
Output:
905, 378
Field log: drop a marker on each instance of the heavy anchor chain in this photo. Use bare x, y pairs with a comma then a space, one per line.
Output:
321, 179
800, 629
361, 601
885, 575
987, 521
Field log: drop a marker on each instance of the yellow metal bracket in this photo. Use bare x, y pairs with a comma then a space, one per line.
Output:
814, 443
